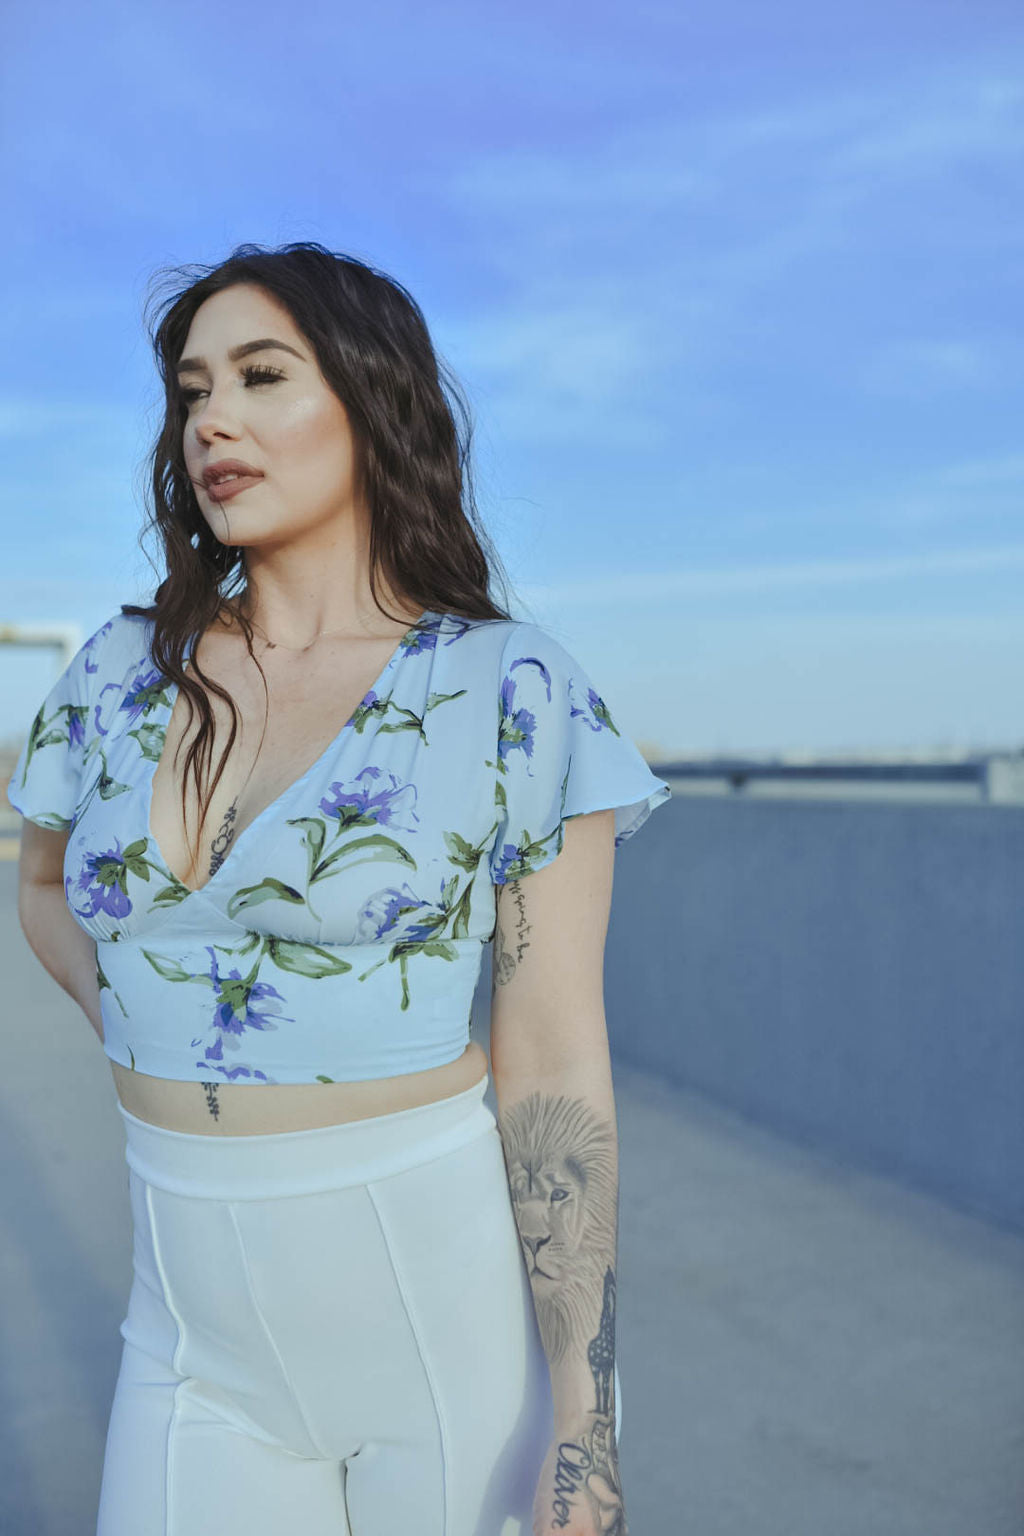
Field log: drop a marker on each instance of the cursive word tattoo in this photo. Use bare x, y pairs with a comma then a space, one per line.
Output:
561, 1160
587, 1471
505, 960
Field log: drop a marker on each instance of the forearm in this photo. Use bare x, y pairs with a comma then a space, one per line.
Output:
68, 953
560, 1139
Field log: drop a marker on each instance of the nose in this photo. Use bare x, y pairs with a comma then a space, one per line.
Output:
209, 423
211, 415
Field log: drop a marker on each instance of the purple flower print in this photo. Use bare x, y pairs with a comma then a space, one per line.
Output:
516, 859
103, 881
144, 690
141, 692
420, 641
517, 726
385, 909
360, 804
90, 664
509, 855
241, 1002
212, 1058
596, 714
76, 725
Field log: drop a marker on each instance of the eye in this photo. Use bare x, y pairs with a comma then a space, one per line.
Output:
256, 373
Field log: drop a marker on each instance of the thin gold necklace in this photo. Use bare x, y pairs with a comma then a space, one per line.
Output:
279, 645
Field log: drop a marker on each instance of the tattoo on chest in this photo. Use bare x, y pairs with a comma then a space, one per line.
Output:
222, 842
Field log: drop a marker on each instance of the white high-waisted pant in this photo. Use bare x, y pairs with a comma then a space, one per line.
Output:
329, 1333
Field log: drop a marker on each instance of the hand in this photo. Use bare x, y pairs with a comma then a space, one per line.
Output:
578, 1492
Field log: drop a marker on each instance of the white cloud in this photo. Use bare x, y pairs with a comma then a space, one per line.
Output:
929, 365
1005, 469
25, 417
650, 586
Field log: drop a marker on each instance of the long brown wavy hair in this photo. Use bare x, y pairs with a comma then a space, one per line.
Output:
412, 431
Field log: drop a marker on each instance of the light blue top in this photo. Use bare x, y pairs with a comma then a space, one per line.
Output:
341, 938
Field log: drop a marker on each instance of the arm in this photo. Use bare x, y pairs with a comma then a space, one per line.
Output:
58, 942
556, 1114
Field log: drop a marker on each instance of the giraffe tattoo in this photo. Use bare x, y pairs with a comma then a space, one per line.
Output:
601, 1349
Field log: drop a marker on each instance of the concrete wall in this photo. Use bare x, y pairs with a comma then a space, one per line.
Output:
850, 974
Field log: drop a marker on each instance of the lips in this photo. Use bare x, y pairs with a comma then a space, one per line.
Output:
221, 490
223, 467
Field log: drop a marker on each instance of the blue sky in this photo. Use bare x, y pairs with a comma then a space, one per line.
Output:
734, 293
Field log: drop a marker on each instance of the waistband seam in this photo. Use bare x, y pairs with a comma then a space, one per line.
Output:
374, 1167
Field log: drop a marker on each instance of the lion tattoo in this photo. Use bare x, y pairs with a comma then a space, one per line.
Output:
560, 1159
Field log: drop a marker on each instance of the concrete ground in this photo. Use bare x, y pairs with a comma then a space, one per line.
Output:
804, 1350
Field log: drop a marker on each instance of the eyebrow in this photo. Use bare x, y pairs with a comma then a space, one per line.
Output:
198, 364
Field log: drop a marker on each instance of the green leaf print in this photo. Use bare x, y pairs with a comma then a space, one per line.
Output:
170, 970
409, 720
109, 787
374, 848
51, 739
438, 947
235, 990
268, 889
55, 731
150, 739
313, 836
305, 959
103, 982
52, 821
133, 859
252, 940
462, 852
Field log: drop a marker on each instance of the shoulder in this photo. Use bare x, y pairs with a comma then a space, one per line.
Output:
506, 641
474, 646
119, 645
535, 662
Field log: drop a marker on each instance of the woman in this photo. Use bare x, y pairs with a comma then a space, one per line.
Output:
361, 1303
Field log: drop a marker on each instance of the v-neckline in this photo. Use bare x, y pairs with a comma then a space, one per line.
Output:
171, 692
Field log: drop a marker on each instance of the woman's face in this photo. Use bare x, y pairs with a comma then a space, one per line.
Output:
271, 409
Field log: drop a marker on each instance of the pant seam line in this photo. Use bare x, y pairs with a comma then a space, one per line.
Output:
172, 1421
270, 1337
442, 1427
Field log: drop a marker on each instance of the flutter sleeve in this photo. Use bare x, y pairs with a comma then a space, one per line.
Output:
47, 779
560, 754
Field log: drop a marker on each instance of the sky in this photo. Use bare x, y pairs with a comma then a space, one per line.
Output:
734, 294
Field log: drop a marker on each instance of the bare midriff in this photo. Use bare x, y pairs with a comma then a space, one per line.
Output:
251, 1109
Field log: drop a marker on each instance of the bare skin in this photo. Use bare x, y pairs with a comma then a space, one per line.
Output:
560, 1144
231, 1109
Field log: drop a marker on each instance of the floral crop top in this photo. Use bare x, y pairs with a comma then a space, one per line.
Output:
341, 938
